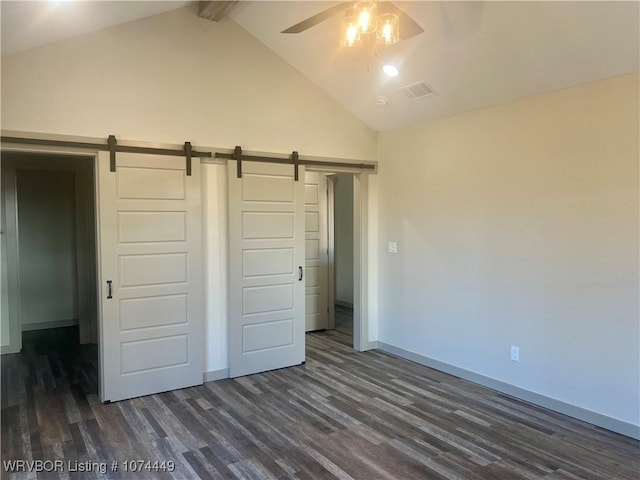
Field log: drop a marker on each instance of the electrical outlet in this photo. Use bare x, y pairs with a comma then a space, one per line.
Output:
515, 353
393, 247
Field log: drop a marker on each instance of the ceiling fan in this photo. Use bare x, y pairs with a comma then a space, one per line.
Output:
392, 23
360, 20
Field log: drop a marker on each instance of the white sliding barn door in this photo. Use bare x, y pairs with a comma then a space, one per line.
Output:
316, 252
150, 252
266, 262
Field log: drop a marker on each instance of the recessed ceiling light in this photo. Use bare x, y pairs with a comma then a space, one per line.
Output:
390, 70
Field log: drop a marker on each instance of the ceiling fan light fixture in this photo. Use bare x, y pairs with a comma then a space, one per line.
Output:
362, 22
370, 22
388, 29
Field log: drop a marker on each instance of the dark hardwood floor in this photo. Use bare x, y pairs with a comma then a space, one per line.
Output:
341, 415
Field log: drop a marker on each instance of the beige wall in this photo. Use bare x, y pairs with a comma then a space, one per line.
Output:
518, 225
176, 77
47, 248
172, 78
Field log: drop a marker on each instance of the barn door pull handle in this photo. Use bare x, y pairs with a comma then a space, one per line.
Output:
299, 274
109, 289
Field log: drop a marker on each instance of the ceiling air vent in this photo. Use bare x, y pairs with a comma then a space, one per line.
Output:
417, 90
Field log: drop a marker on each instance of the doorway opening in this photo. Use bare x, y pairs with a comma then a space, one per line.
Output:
329, 253
341, 242
49, 261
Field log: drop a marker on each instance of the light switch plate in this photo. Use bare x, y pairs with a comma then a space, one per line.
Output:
393, 247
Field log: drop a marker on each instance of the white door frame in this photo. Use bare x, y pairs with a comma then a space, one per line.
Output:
10, 235
87, 330
361, 262
361, 341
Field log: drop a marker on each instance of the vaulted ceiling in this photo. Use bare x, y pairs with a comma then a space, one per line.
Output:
471, 54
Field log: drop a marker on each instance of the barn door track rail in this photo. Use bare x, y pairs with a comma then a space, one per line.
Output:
294, 160
113, 147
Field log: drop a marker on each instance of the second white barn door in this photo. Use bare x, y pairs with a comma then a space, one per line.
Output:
266, 268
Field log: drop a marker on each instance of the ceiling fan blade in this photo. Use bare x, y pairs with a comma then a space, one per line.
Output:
408, 27
318, 18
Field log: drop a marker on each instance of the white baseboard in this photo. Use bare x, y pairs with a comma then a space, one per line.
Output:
26, 327
371, 345
598, 419
214, 375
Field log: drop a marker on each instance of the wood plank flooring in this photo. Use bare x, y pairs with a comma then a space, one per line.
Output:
343, 414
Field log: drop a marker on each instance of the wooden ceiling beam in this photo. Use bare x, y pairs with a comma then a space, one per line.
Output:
215, 10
